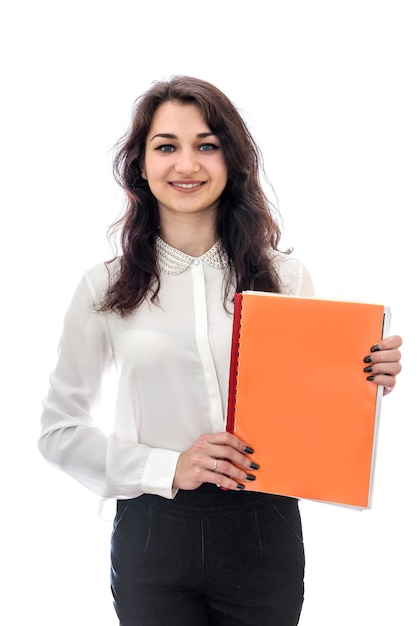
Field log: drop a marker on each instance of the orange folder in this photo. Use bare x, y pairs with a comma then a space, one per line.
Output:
298, 394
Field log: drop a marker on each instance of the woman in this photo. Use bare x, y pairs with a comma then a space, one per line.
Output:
197, 228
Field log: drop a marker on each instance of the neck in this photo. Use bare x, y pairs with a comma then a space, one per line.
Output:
191, 238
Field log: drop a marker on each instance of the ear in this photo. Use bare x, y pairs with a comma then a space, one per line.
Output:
143, 173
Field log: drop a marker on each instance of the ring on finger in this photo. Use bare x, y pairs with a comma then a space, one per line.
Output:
215, 465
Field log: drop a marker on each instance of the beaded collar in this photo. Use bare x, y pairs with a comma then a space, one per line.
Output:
172, 261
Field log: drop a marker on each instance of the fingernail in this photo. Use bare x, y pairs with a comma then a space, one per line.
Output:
368, 369
248, 450
239, 486
250, 477
375, 348
367, 359
254, 465
370, 377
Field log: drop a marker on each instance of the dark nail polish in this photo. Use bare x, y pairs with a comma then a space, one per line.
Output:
239, 486
375, 348
368, 369
254, 465
367, 359
248, 450
370, 377
250, 477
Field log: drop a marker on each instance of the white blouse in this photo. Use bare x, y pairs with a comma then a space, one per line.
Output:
171, 362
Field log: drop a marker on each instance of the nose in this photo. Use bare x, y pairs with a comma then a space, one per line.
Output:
187, 162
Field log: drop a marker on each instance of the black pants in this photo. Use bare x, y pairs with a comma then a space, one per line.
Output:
208, 558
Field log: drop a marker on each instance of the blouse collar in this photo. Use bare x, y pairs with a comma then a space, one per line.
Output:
172, 261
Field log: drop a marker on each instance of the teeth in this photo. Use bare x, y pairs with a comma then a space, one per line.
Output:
186, 185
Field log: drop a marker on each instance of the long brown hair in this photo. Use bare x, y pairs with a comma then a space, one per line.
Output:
245, 222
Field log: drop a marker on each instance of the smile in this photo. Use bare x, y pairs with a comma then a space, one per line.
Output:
187, 185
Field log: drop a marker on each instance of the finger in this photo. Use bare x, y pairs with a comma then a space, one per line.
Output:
235, 480
226, 439
388, 343
230, 455
229, 484
386, 380
386, 355
383, 356
389, 368
225, 467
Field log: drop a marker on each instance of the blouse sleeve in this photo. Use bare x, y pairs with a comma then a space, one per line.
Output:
295, 277
70, 438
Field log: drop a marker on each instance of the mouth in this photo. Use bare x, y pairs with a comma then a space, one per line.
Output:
187, 186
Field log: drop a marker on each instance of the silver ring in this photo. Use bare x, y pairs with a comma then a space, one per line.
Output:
215, 465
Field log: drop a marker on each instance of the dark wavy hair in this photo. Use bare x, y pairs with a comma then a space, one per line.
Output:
245, 222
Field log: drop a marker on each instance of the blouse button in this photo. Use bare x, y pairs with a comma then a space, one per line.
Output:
196, 262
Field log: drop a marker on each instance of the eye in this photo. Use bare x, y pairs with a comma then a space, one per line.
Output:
207, 147
166, 148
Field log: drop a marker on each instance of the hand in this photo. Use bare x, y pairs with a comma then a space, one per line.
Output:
218, 458
383, 363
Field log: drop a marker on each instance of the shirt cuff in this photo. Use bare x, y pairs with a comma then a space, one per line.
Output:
159, 473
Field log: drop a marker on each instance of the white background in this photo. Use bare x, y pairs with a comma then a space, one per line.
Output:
330, 91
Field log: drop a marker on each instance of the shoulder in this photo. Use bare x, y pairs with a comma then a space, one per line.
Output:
92, 286
98, 277
294, 275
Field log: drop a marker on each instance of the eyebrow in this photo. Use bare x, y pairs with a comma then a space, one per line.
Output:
172, 136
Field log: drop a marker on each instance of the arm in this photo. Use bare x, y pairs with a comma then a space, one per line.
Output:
116, 466
69, 438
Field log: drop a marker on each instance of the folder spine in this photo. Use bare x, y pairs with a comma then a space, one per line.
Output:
233, 372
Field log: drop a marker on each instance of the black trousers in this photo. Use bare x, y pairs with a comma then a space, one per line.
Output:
208, 558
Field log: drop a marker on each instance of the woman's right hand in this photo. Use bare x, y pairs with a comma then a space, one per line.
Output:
218, 458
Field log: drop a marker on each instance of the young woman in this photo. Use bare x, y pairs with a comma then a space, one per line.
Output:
197, 228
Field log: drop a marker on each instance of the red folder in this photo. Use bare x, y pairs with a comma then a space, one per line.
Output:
298, 394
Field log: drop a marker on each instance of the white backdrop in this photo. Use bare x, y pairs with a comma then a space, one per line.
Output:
330, 91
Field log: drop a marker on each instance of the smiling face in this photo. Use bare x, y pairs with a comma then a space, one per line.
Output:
184, 162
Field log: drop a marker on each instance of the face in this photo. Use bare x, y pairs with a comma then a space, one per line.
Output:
184, 162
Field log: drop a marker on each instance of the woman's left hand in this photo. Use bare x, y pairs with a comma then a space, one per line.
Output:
383, 363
